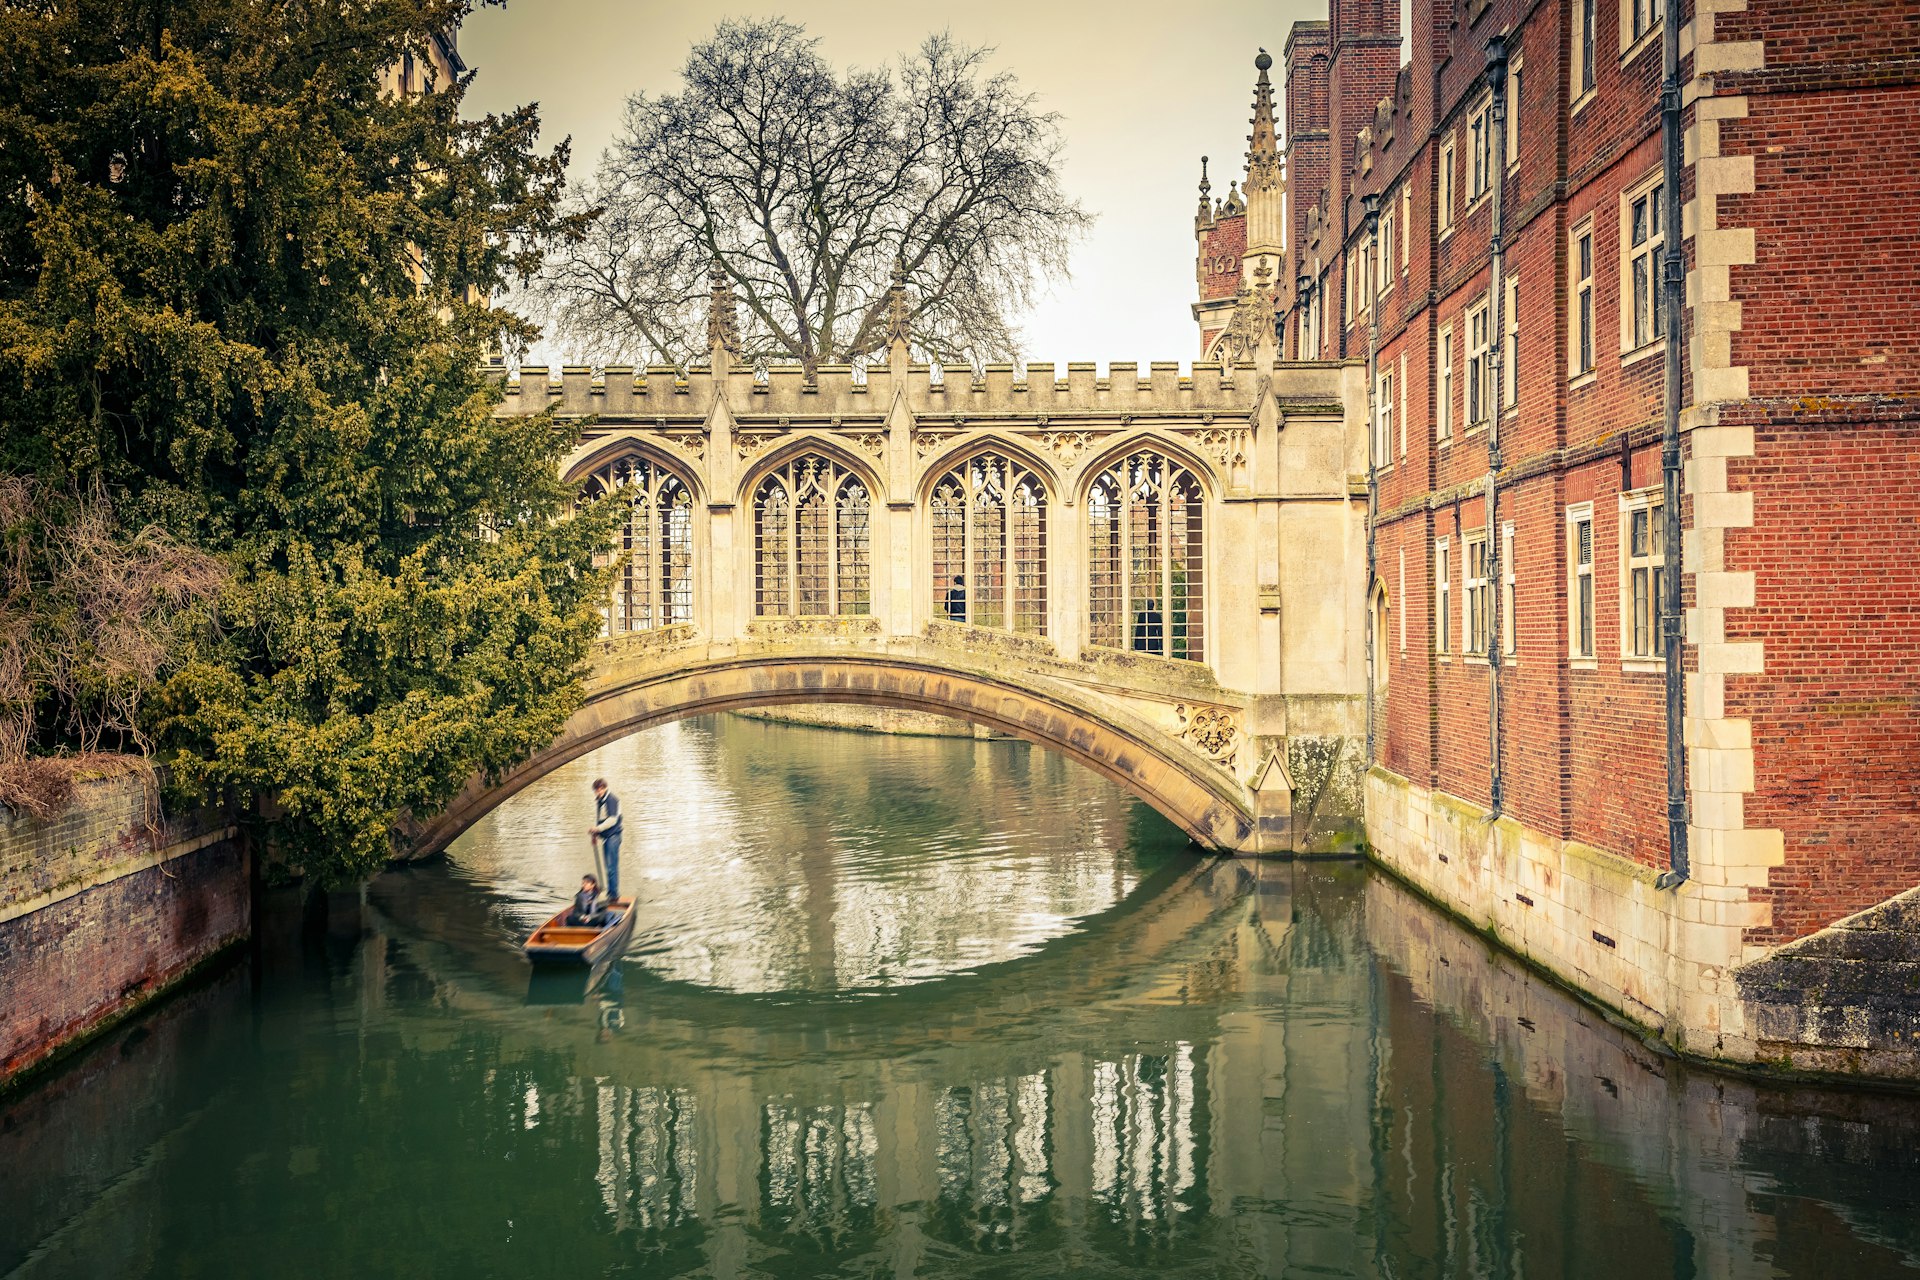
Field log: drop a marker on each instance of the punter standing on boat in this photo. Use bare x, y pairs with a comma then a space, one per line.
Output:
606, 828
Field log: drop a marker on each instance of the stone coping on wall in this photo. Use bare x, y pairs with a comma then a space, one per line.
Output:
112, 828
1845, 999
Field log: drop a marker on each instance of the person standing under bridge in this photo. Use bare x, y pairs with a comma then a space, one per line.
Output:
606, 829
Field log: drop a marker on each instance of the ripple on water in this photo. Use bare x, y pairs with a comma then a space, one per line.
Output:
769, 858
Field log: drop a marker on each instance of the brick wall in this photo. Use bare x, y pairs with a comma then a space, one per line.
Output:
1802, 467
102, 908
1835, 554
1221, 246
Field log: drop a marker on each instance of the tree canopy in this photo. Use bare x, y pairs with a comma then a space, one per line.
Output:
810, 189
241, 284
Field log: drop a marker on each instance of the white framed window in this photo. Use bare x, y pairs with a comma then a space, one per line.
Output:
1642, 239
1402, 384
1510, 349
1383, 419
1480, 150
1442, 596
1479, 365
1643, 570
1443, 417
1382, 607
1383, 255
1476, 606
1509, 633
1402, 598
1348, 309
1580, 613
1516, 77
1580, 323
1310, 322
1584, 29
1448, 167
1406, 221
1638, 20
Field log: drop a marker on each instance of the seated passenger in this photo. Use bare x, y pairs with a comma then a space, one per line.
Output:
586, 904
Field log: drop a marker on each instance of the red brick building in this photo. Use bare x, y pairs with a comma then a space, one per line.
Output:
1799, 466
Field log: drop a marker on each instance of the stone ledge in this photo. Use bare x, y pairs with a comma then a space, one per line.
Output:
1851, 988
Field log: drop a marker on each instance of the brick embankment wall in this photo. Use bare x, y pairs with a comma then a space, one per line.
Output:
101, 909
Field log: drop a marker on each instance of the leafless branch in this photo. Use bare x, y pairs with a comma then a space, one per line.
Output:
809, 186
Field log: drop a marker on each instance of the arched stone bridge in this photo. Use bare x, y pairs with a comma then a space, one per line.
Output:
1158, 576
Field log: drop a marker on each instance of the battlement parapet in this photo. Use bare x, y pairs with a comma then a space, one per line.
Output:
840, 393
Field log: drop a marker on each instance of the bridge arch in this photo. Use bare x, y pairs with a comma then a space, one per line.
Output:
1193, 791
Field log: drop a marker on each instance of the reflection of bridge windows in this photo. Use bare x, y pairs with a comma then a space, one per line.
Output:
654, 585
812, 541
648, 1169
819, 1171
1146, 558
1151, 1118
990, 545
993, 1154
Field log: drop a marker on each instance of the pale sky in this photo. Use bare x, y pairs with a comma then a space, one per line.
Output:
1143, 88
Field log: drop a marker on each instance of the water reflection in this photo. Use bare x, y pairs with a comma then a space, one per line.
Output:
1241, 1068
770, 859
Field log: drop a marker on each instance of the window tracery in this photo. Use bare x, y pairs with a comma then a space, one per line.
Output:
989, 524
812, 533
1146, 557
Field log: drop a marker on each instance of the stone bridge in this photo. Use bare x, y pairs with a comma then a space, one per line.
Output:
1160, 574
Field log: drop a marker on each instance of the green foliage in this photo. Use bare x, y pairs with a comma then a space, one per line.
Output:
238, 283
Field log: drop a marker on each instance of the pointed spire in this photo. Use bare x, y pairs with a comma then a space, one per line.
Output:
1206, 188
899, 313
1263, 158
723, 330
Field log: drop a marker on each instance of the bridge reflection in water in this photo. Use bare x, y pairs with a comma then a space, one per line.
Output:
1222, 1067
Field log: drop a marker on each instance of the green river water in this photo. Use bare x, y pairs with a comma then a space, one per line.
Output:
914, 1007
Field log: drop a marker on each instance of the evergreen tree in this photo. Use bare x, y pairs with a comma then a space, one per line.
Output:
240, 284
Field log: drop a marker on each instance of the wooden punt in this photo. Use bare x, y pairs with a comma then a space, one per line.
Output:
561, 945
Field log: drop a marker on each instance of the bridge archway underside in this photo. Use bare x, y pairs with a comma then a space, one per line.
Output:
1181, 751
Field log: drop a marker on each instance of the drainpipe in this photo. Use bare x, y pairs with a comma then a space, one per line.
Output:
1496, 321
1370, 204
1673, 279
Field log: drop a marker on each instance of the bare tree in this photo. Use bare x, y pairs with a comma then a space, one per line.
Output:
92, 617
811, 190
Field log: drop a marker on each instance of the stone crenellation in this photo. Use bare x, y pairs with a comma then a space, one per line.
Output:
1159, 390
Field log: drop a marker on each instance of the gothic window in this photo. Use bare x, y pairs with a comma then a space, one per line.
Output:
812, 541
653, 580
989, 519
1146, 558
